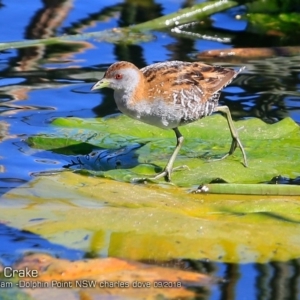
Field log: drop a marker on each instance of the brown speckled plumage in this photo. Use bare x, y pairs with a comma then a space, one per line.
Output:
178, 75
191, 88
170, 94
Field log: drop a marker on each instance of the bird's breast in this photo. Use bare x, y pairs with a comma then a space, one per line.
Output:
154, 112
166, 114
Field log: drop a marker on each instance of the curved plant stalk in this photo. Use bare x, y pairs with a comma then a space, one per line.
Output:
135, 33
250, 189
186, 15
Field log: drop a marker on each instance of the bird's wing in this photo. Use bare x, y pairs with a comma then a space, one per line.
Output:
168, 78
193, 88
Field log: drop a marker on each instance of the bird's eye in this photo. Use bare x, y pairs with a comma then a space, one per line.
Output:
118, 76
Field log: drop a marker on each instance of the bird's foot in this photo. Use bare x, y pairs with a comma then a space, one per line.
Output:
235, 143
166, 173
217, 159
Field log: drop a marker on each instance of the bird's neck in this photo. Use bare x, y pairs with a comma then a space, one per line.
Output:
132, 94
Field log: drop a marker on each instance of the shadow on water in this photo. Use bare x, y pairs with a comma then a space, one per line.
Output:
16, 243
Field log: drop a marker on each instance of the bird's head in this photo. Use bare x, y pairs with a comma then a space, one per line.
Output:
119, 76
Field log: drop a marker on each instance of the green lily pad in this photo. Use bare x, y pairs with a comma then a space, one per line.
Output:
150, 222
271, 149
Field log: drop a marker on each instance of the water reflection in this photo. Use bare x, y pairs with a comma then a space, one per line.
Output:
269, 97
42, 25
274, 280
273, 89
278, 280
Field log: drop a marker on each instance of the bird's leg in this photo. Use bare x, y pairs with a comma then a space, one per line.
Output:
166, 173
234, 134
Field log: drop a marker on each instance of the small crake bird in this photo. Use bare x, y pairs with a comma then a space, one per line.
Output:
171, 94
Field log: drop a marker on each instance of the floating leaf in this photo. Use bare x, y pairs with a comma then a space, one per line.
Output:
116, 219
271, 149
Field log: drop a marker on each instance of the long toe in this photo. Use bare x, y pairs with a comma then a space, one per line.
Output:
166, 173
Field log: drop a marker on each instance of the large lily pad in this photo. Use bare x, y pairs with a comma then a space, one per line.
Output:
110, 218
272, 150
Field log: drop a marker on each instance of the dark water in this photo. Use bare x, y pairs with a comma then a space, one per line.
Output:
38, 84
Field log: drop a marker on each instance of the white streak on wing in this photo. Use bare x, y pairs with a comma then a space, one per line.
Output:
175, 96
182, 98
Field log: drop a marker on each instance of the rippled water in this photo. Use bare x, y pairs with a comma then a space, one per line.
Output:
38, 84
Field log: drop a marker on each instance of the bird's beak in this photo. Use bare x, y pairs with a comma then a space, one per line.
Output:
100, 84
